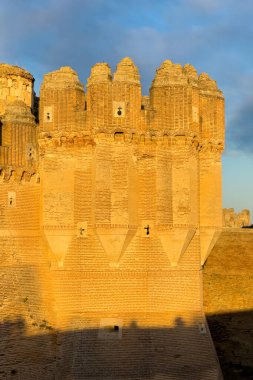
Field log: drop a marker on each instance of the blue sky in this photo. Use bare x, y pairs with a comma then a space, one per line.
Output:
215, 36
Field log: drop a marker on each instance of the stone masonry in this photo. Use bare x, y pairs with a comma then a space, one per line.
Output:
231, 219
109, 207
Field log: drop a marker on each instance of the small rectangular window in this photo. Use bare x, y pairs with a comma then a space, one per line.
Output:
11, 198
119, 109
30, 152
48, 114
1, 133
81, 230
110, 328
147, 228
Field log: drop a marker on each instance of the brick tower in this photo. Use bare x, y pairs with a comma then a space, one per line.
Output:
125, 206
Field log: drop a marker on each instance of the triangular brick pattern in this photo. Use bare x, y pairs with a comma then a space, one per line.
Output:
110, 202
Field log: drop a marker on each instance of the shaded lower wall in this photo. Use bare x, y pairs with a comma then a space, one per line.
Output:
232, 334
228, 302
30, 347
135, 353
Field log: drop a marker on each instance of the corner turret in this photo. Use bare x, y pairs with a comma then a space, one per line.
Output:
19, 135
127, 72
114, 105
61, 97
15, 84
174, 98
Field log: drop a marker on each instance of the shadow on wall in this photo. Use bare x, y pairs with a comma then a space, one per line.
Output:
232, 334
132, 353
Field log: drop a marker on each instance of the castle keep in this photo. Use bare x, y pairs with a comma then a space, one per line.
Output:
110, 204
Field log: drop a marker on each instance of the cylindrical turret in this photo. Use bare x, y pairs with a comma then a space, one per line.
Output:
19, 134
114, 105
174, 98
126, 96
212, 141
61, 97
99, 97
211, 109
15, 84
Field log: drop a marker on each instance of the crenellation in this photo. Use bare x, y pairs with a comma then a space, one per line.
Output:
231, 219
191, 73
15, 84
62, 97
207, 84
127, 72
100, 72
111, 201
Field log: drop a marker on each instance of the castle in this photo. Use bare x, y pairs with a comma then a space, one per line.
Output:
110, 205
231, 219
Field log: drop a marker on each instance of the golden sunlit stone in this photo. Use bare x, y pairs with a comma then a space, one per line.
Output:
110, 205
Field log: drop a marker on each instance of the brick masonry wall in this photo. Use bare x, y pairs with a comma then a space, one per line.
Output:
109, 233
228, 301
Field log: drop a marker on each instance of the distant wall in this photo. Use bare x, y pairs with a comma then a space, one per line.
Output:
15, 84
231, 219
228, 301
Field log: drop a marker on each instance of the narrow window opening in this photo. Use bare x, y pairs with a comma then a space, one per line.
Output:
48, 114
85, 106
119, 109
142, 107
1, 132
147, 230
119, 136
202, 328
11, 199
201, 123
110, 328
82, 231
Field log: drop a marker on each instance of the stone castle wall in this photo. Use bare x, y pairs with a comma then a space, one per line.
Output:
114, 202
15, 84
231, 219
228, 301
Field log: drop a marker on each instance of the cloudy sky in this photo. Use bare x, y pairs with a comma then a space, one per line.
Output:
216, 36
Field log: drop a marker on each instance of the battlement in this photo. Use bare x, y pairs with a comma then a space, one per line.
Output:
15, 84
181, 103
110, 203
9, 70
64, 78
231, 219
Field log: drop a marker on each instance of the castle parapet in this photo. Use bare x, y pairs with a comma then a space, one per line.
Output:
127, 72
18, 135
100, 72
174, 98
15, 84
114, 105
211, 107
61, 97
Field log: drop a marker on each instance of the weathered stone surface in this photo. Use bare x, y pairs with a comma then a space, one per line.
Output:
15, 84
127, 71
231, 219
228, 301
106, 226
